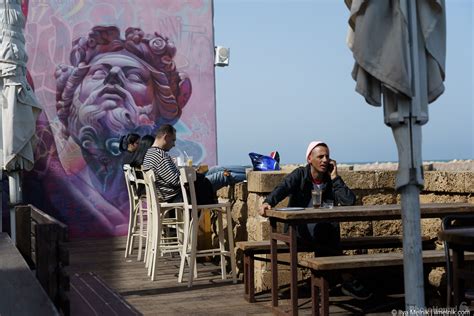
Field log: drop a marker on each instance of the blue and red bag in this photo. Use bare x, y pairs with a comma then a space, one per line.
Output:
263, 163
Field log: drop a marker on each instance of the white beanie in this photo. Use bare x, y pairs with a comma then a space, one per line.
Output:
311, 146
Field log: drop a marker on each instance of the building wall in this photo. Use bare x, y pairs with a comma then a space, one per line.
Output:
102, 69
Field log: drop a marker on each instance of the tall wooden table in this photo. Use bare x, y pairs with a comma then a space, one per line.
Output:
459, 240
337, 214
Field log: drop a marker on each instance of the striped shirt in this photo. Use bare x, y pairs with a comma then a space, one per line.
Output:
166, 173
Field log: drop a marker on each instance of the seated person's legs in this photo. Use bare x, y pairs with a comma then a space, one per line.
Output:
221, 176
176, 199
219, 180
235, 169
204, 192
324, 238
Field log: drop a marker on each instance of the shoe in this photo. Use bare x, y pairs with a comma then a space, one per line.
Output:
356, 290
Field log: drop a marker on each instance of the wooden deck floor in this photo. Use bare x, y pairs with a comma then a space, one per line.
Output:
165, 296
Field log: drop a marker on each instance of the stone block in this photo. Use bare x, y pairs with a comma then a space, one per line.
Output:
267, 266
359, 179
430, 227
264, 181
225, 192
379, 199
254, 201
385, 179
234, 192
442, 198
263, 280
434, 180
356, 229
456, 182
239, 211
447, 181
240, 191
258, 228
469, 182
392, 227
240, 232
437, 278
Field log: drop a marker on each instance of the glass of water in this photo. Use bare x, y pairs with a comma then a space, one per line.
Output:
328, 204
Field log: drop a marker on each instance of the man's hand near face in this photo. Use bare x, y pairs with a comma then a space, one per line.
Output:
333, 173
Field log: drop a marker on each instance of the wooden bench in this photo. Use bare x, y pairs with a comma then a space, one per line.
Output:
321, 267
90, 295
41, 239
20, 291
252, 248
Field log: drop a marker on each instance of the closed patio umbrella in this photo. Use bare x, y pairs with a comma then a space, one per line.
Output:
19, 106
399, 47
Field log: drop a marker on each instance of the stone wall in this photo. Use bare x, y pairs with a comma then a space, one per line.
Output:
370, 187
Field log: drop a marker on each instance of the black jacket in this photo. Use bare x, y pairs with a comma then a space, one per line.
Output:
298, 185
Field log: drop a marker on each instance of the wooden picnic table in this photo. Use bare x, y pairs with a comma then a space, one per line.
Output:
459, 240
21, 293
337, 214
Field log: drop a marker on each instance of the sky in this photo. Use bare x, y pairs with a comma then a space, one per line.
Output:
288, 83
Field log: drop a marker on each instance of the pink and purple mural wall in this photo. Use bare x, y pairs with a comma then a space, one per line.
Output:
105, 68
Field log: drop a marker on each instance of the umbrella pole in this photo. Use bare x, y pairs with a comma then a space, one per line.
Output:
15, 199
1, 206
408, 183
408, 141
412, 251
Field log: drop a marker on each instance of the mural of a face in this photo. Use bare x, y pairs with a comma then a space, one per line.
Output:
111, 77
115, 96
115, 86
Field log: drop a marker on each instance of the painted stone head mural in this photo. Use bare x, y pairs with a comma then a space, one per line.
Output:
115, 86
100, 81
118, 85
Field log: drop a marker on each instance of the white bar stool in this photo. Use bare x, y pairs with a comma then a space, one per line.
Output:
136, 225
190, 252
159, 242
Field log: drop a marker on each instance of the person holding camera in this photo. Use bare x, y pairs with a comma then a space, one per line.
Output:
319, 175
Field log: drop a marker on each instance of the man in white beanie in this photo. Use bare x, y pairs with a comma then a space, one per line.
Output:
319, 173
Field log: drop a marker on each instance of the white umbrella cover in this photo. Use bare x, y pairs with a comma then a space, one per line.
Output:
19, 106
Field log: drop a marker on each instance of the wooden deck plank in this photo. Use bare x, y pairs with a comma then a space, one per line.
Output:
93, 297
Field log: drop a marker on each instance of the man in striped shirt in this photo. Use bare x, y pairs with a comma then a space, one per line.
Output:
166, 172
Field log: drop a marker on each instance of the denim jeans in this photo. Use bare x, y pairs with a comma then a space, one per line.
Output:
218, 179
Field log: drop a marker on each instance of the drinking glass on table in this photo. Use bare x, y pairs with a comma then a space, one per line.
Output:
328, 204
189, 161
316, 196
179, 161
